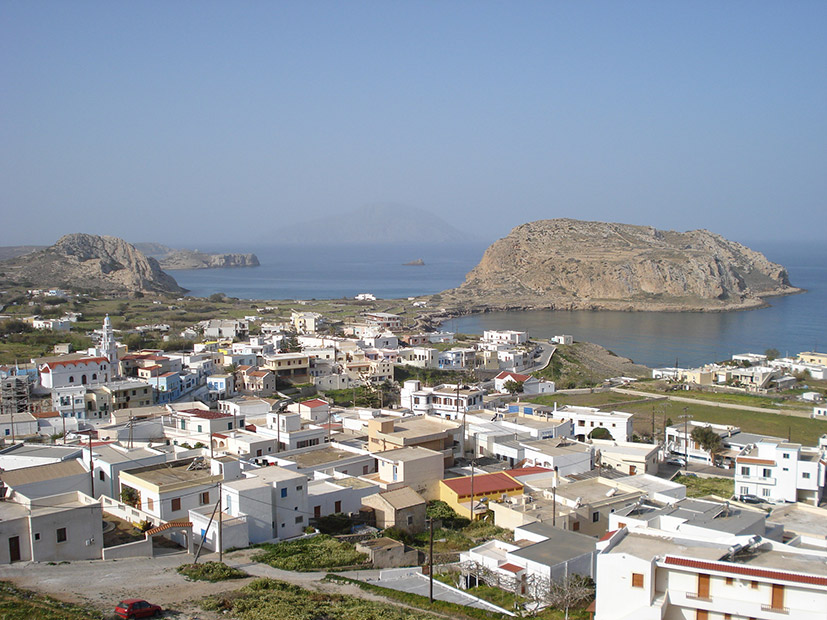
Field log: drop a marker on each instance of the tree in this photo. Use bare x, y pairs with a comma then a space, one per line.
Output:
772, 354
513, 387
574, 591
708, 439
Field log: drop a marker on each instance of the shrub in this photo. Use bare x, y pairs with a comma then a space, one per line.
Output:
310, 554
210, 571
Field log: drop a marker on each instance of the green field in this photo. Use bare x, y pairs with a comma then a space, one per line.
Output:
598, 399
701, 487
805, 431
19, 604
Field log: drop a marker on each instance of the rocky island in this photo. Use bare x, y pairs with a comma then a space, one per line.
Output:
193, 259
90, 262
566, 264
170, 258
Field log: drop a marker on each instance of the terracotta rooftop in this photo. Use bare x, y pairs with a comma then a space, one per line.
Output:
484, 484
738, 569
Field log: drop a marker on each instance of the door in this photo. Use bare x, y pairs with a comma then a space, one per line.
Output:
632, 470
14, 548
777, 596
703, 586
317, 511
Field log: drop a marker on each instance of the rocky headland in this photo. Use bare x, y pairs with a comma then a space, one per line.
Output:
92, 263
566, 264
170, 258
193, 259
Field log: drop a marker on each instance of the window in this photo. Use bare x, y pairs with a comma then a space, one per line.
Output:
595, 517
730, 581
101, 475
37, 535
176, 504
745, 471
637, 580
299, 488
284, 492
805, 474
767, 472
785, 455
410, 520
765, 492
299, 519
337, 506
753, 585
61, 534
205, 497
150, 503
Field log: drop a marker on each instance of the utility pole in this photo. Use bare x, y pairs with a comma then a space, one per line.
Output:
473, 458
220, 526
431, 561
685, 417
91, 466
554, 499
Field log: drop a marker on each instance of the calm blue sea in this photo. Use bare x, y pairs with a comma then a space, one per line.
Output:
791, 324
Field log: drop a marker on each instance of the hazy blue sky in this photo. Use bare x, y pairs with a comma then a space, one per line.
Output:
192, 122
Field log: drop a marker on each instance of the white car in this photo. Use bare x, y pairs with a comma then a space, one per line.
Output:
676, 460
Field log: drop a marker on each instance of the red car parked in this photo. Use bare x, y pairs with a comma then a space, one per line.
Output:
136, 608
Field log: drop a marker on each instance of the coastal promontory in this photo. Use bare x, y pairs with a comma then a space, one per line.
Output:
572, 265
193, 259
90, 262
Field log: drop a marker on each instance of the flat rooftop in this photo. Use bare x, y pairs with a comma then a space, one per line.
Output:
591, 491
412, 453
312, 458
172, 473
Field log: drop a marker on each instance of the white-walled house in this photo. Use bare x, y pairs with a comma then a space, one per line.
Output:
273, 501
446, 400
651, 575
74, 371
507, 336
56, 528
781, 472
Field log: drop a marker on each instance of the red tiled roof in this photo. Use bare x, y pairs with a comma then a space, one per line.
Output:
259, 373
747, 459
46, 414
316, 402
511, 568
740, 569
220, 435
83, 360
206, 414
527, 471
167, 526
607, 536
505, 375
484, 484
251, 428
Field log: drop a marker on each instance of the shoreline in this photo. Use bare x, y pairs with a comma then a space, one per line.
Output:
449, 312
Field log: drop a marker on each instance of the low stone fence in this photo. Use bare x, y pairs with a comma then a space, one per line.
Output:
127, 512
137, 549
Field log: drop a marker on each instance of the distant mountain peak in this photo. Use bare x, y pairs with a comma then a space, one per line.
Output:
385, 223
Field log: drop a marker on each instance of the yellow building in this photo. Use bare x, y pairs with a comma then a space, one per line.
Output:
811, 357
456, 492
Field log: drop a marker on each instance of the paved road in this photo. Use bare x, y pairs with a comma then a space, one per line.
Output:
542, 361
712, 403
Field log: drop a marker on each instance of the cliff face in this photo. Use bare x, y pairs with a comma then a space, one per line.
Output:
81, 261
571, 264
193, 259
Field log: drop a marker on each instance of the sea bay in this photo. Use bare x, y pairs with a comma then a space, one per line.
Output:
325, 271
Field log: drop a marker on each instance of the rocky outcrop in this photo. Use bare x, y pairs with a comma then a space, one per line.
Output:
572, 264
193, 259
90, 262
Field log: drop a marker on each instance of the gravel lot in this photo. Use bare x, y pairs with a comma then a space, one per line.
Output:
100, 584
